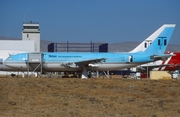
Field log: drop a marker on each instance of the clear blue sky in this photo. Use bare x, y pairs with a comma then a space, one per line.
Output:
108, 21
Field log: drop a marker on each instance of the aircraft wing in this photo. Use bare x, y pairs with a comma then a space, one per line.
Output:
86, 62
83, 63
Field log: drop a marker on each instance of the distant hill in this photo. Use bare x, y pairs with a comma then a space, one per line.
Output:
43, 46
115, 47
8, 38
122, 46
128, 46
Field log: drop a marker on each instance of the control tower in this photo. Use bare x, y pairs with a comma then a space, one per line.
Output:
31, 32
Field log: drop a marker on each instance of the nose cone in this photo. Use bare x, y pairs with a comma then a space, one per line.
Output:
14, 61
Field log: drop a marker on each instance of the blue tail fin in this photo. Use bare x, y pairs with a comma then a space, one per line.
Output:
144, 45
161, 42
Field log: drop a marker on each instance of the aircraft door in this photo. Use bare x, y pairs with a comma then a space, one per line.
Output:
130, 58
1, 60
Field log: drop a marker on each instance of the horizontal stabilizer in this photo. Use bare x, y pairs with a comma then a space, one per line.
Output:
161, 57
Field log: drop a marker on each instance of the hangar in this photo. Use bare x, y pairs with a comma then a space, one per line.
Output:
78, 47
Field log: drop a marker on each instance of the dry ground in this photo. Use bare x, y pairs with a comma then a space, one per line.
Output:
97, 97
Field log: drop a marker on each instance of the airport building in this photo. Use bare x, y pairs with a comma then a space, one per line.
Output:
78, 47
31, 32
30, 40
18, 45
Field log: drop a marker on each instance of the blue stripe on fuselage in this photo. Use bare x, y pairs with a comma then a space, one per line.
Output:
81, 56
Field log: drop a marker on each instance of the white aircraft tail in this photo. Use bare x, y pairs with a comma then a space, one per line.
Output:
147, 42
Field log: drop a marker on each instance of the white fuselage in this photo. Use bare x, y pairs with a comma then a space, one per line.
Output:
58, 67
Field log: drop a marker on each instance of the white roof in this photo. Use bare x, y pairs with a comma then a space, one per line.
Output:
18, 45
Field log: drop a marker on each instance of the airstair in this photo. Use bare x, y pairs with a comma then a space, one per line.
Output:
34, 63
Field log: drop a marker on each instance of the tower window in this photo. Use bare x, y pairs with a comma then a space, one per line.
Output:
30, 27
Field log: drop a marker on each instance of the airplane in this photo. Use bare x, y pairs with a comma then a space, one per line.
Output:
4, 54
170, 64
4, 70
81, 61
